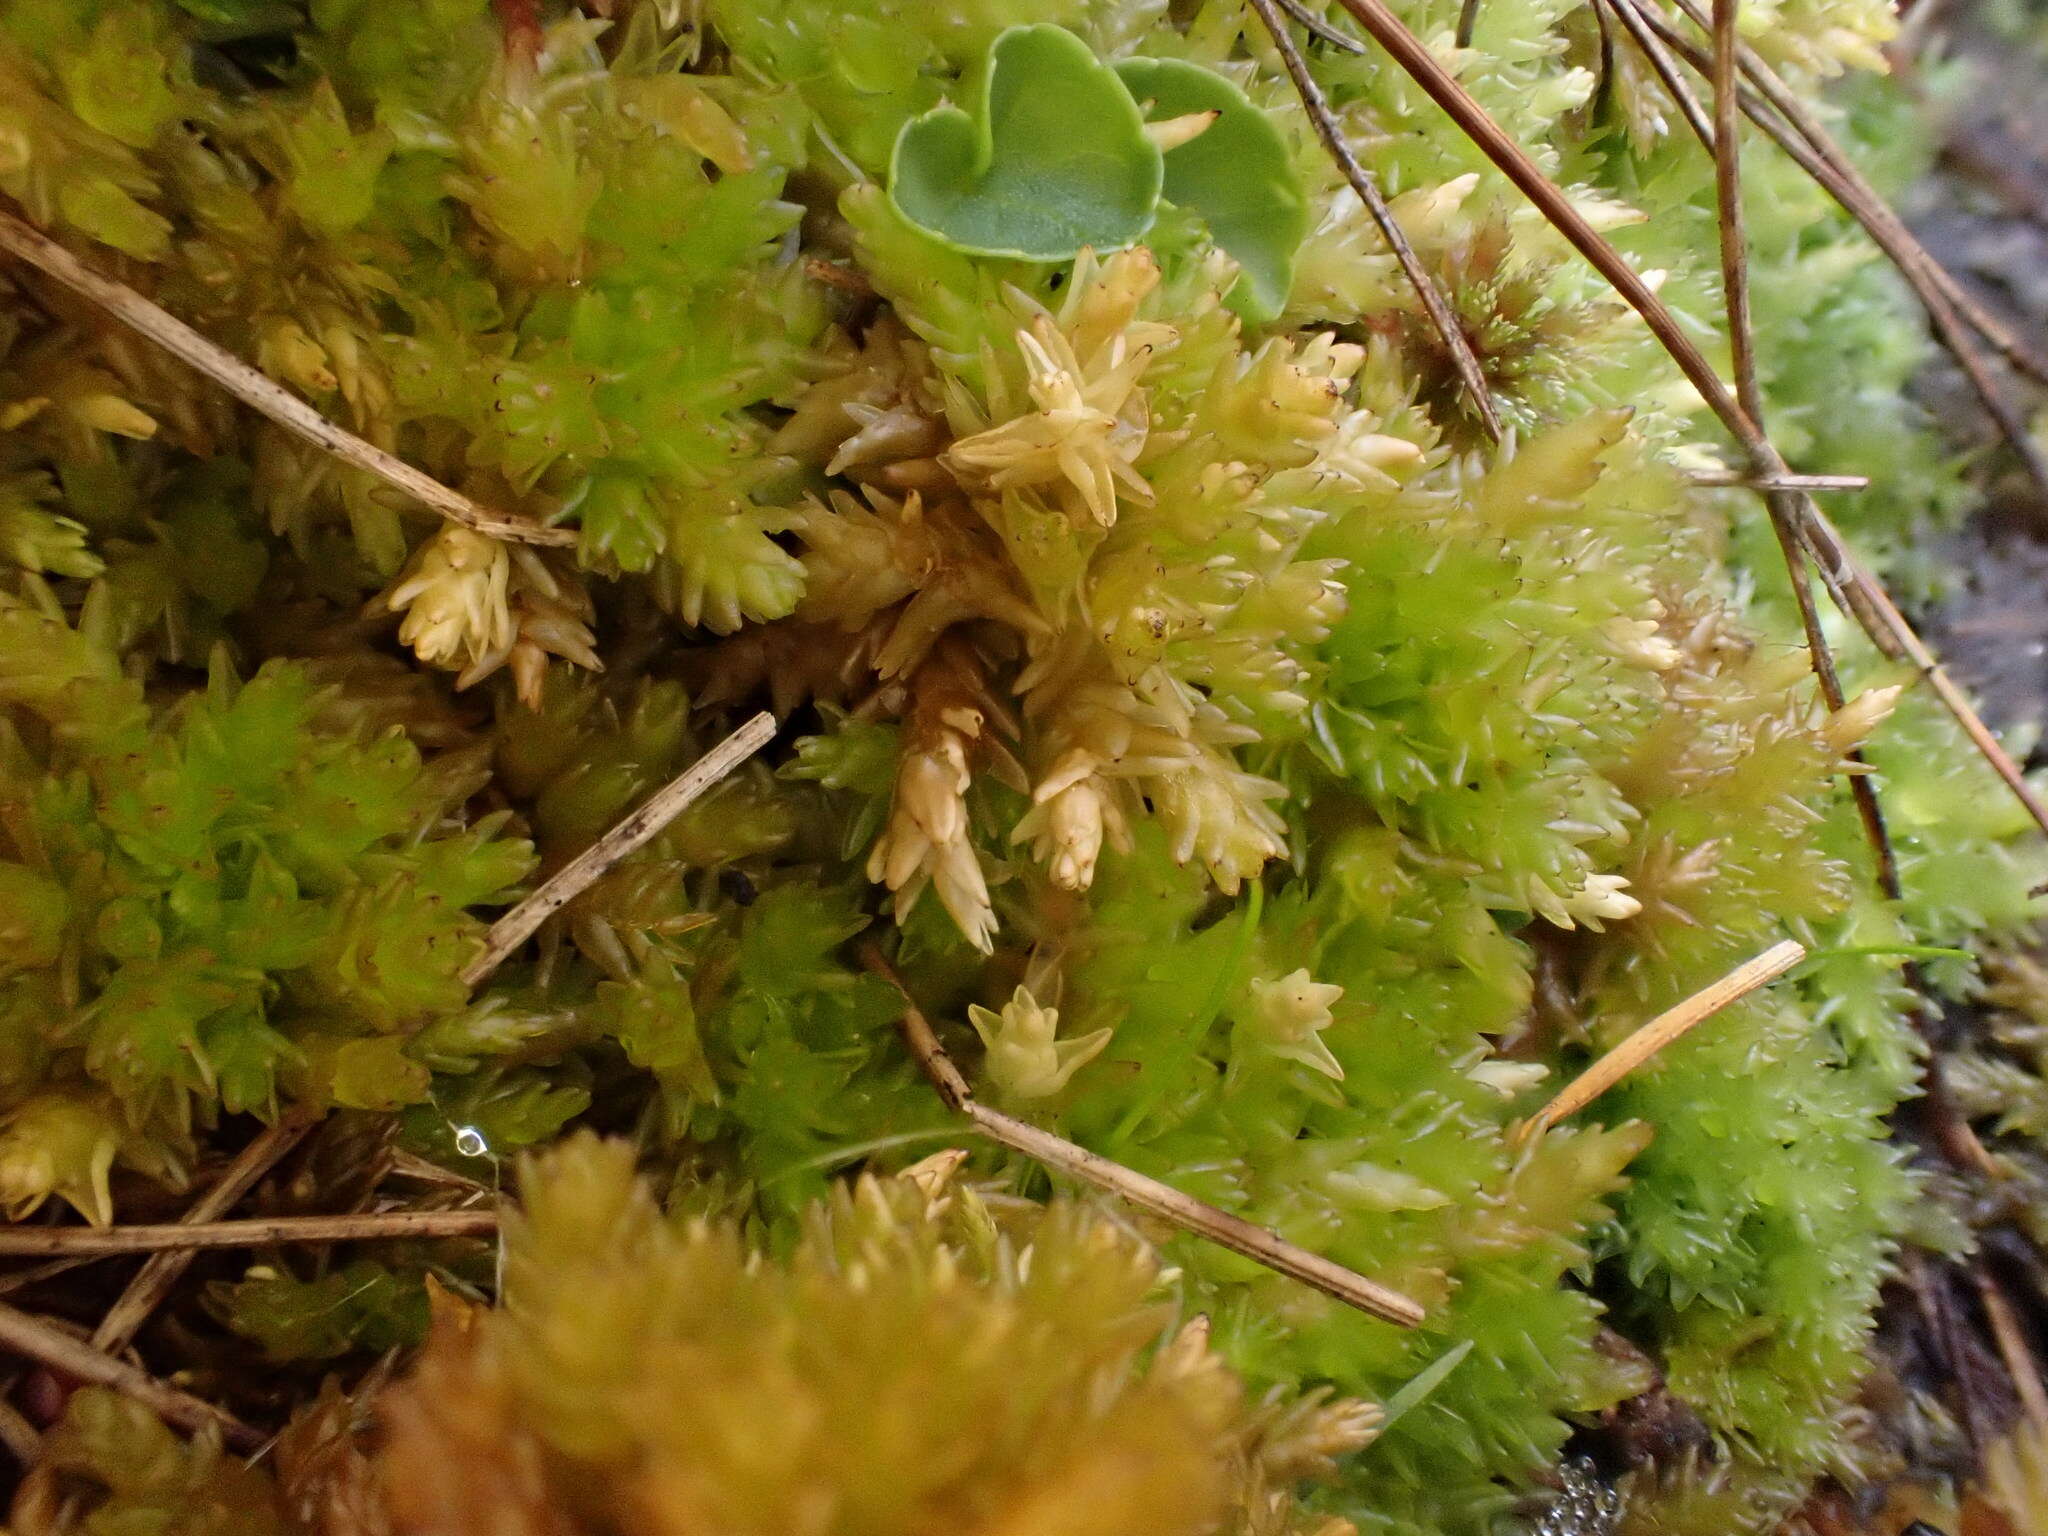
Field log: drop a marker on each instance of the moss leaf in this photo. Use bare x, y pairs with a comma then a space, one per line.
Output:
1053, 157
1234, 173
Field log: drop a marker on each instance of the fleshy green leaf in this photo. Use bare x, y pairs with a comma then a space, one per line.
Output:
1235, 173
1054, 156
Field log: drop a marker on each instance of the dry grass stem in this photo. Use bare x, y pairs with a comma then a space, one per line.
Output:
1161, 1200
154, 1280
24, 1443
1783, 507
188, 1237
1736, 477
1727, 151
1665, 67
257, 390
638, 828
1331, 133
1668, 1026
34, 1339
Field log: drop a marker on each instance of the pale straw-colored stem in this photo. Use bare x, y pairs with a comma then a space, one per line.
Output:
1661, 1031
186, 1237
259, 391
639, 828
34, 1339
1168, 1204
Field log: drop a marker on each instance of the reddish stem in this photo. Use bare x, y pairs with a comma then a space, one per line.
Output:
521, 21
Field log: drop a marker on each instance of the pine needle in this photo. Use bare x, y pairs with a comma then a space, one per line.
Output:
1320, 29
1852, 587
1736, 477
1331, 132
2013, 1348
1947, 303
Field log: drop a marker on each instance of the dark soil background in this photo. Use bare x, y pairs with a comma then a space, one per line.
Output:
1984, 213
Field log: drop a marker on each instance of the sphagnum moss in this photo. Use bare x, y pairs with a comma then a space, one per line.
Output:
1287, 784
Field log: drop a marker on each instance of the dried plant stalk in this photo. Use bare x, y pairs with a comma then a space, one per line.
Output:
575, 877
258, 391
34, 1339
21, 1438
1661, 1031
1161, 1200
1948, 306
1867, 206
187, 1237
1852, 586
1735, 477
2019, 1359
154, 1280
1725, 145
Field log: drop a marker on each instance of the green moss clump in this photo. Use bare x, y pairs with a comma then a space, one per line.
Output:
1262, 778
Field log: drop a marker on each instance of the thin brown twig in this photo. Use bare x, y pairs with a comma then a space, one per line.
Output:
190, 1236
1727, 152
257, 390
410, 1165
1161, 1200
1331, 132
1665, 68
1320, 29
154, 1280
1468, 23
1782, 506
1939, 294
1867, 206
34, 1339
36, 1274
573, 878
1668, 1026
1722, 140
1848, 582
1786, 518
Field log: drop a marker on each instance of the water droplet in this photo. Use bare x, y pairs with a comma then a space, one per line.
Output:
469, 1141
